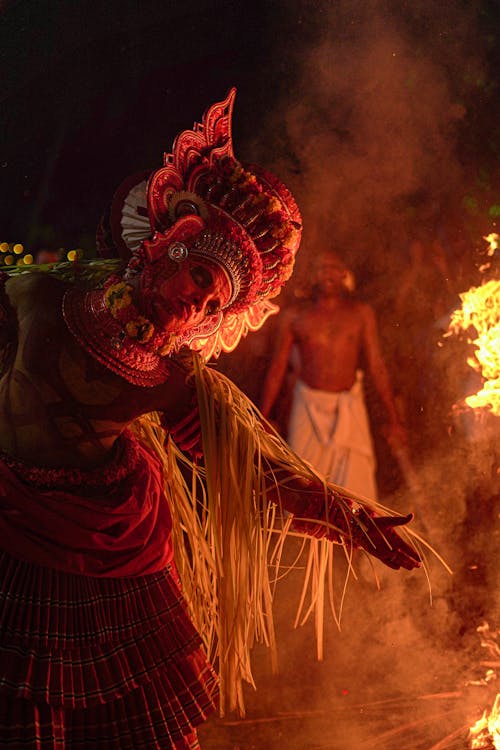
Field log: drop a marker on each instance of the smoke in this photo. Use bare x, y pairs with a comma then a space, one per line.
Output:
375, 105
369, 136
395, 675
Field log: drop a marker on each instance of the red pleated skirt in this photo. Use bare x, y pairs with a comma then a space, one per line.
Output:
105, 663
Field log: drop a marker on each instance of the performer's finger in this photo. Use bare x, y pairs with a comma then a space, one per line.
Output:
401, 559
409, 556
400, 547
386, 522
409, 563
412, 554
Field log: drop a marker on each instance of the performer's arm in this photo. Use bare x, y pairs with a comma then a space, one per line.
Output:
177, 405
320, 510
279, 361
324, 513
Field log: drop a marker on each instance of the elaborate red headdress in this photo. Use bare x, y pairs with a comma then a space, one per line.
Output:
202, 201
251, 223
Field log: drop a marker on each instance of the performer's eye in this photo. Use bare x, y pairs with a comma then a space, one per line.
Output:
213, 307
201, 276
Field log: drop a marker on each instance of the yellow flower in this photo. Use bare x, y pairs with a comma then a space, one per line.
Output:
140, 328
248, 179
118, 296
236, 174
282, 232
257, 199
168, 347
273, 205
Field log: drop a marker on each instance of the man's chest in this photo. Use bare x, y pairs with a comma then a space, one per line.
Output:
335, 331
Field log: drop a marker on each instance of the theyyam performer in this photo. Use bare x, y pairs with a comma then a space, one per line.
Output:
122, 451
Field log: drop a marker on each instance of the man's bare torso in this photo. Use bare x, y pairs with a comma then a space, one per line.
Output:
329, 340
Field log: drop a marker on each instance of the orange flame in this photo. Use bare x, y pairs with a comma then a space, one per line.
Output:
485, 734
494, 242
486, 730
481, 311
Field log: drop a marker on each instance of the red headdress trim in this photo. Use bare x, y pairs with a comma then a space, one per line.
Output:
252, 224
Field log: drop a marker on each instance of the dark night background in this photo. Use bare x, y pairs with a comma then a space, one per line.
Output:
91, 92
382, 117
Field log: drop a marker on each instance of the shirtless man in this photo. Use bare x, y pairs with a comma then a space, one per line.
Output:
328, 421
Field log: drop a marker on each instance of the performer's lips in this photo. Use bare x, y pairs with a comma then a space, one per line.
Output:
165, 310
182, 309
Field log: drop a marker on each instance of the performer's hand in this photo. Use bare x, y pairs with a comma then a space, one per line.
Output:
379, 538
360, 527
186, 433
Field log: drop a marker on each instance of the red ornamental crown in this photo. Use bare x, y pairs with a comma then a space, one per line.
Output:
248, 222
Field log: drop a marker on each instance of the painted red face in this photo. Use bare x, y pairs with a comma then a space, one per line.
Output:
195, 290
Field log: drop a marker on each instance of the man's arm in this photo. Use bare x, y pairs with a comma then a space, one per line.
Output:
378, 371
279, 362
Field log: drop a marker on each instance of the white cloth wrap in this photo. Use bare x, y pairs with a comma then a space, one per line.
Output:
331, 431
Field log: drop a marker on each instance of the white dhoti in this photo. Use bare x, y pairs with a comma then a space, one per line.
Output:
331, 431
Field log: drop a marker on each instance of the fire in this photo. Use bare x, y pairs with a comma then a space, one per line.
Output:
485, 734
480, 311
494, 242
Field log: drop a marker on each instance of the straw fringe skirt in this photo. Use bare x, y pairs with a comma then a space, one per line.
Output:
107, 663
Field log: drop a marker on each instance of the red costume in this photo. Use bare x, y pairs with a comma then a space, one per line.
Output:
95, 632
96, 646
